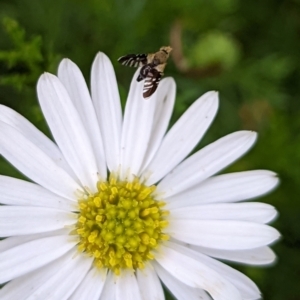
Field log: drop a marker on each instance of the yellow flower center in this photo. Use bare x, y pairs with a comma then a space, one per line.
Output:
121, 224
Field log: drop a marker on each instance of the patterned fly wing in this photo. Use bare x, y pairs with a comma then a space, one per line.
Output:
151, 82
133, 60
144, 72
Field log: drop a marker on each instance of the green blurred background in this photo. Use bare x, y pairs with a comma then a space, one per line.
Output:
247, 50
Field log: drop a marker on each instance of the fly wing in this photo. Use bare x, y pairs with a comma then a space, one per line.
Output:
144, 72
151, 82
133, 60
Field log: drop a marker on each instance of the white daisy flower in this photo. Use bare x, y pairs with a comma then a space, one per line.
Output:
116, 208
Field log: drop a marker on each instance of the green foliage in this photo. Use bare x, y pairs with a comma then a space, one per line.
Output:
247, 50
214, 48
23, 62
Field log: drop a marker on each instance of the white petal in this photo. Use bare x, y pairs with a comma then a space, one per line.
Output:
109, 290
180, 290
30, 132
23, 286
228, 235
138, 120
196, 274
35, 254
63, 283
127, 287
20, 192
257, 256
20, 220
14, 241
182, 137
34, 163
253, 212
72, 79
91, 286
149, 284
67, 129
106, 100
246, 287
165, 102
206, 162
230, 187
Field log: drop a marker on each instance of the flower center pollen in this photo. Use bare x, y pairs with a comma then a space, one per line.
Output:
121, 224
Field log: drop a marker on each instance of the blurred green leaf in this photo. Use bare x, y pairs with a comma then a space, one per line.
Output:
24, 60
214, 47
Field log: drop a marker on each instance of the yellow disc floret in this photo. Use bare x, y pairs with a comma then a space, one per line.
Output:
121, 224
